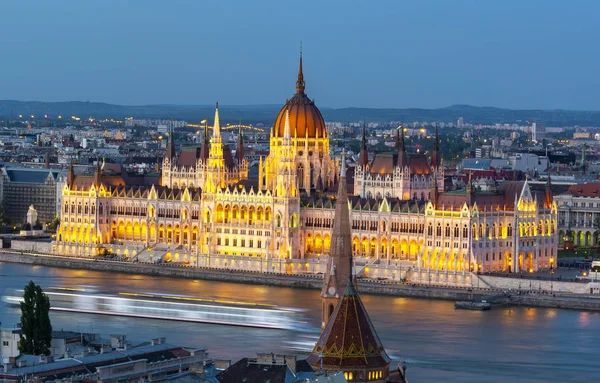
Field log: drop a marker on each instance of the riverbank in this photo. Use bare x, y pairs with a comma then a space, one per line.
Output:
308, 281
305, 281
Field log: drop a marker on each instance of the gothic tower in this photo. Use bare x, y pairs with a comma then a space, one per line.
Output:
215, 169
348, 341
287, 199
338, 270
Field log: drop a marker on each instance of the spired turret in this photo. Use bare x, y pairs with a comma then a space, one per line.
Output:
363, 159
339, 263
348, 341
70, 175
171, 143
548, 197
239, 151
436, 157
401, 148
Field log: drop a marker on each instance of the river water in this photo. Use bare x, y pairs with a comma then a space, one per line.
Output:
436, 341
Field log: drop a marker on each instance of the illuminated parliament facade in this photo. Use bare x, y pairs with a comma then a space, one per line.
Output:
203, 202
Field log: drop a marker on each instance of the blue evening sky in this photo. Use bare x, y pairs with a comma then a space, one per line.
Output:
515, 54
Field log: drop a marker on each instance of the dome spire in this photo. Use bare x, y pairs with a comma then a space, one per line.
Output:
300, 82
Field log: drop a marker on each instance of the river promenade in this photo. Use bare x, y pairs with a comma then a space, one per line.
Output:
523, 291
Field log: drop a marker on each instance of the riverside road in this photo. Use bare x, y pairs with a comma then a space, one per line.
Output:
435, 340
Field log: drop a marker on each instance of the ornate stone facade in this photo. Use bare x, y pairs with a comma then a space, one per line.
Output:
205, 205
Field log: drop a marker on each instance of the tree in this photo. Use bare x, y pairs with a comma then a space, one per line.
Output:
36, 329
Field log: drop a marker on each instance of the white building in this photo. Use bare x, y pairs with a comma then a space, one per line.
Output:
578, 211
10, 343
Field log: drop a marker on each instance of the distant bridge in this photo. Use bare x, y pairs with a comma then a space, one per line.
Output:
230, 127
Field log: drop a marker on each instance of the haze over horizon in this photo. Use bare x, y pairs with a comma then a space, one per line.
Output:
387, 54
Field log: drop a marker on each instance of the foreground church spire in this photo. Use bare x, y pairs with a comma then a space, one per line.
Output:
338, 270
348, 341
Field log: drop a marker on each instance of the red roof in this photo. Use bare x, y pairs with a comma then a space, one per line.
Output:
349, 340
384, 163
590, 189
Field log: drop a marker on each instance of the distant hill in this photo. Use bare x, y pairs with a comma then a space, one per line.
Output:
267, 113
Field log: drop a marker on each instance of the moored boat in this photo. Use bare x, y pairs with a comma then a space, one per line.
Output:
469, 305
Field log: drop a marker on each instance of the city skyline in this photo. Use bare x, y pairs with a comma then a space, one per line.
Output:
388, 55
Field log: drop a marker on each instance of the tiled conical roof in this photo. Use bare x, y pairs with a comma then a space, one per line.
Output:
349, 340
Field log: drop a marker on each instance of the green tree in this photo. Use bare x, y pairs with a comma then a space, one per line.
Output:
36, 329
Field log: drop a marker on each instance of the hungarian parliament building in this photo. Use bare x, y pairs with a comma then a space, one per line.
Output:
205, 203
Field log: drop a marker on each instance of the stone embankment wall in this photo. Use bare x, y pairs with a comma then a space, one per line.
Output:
524, 284
487, 286
308, 281
32, 246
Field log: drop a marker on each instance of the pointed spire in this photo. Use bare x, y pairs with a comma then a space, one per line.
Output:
348, 340
239, 153
286, 131
206, 138
363, 158
435, 193
341, 242
549, 198
205, 148
435, 156
217, 123
171, 143
300, 81
97, 174
400, 147
469, 199
70, 174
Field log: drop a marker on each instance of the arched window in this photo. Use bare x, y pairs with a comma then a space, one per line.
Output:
447, 230
456, 231
438, 230
509, 230
430, 229
465, 231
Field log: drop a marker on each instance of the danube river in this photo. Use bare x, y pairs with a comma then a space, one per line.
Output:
436, 341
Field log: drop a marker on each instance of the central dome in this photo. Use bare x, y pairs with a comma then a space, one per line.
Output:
306, 120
